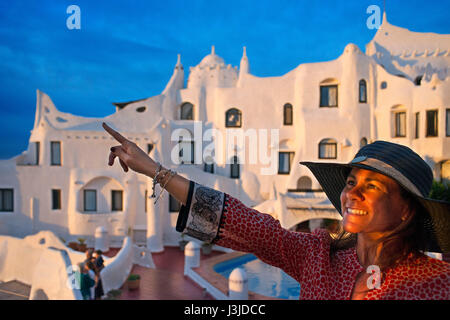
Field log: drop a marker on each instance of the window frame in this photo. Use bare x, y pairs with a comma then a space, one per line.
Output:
434, 134
115, 192
184, 104
290, 155
364, 82
235, 163
288, 108
417, 125
239, 115
56, 199
85, 191
322, 86
447, 122
397, 124
327, 143
3, 196
52, 144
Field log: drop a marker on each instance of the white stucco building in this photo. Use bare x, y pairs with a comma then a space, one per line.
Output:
398, 90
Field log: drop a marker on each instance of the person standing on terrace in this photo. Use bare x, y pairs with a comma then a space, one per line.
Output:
388, 224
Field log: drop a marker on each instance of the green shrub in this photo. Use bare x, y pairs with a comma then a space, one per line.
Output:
134, 277
440, 191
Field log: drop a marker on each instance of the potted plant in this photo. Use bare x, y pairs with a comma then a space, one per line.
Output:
133, 281
73, 245
183, 242
206, 248
82, 246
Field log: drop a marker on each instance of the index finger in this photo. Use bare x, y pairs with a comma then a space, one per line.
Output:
114, 133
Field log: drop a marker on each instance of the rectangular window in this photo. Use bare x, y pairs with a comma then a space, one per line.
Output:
447, 122
417, 127
329, 96
37, 150
116, 200
145, 200
400, 124
7, 200
432, 123
55, 150
209, 167
186, 152
174, 205
90, 200
328, 150
284, 162
56, 199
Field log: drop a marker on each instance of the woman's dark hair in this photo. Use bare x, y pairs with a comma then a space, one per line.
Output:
407, 238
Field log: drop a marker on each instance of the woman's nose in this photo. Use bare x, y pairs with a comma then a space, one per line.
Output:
355, 193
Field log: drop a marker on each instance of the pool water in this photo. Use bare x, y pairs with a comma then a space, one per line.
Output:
263, 279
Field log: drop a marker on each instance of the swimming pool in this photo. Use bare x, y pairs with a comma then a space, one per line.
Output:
262, 278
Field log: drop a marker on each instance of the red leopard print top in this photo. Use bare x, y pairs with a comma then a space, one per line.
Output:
306, 257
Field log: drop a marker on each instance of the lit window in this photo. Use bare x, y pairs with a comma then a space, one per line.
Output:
328, 149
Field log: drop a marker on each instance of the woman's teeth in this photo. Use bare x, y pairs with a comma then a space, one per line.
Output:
357, 211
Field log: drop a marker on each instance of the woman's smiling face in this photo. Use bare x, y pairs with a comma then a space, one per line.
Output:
371, 203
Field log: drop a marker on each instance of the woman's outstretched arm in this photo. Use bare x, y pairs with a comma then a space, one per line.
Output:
132, 157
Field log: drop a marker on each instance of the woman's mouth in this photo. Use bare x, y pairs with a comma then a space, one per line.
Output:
357, 212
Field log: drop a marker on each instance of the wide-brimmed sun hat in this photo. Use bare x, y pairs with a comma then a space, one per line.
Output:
403, 165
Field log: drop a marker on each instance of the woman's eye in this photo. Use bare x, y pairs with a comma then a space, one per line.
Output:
350, 182
372, 186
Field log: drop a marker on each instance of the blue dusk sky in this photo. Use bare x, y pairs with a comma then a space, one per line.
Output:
126, 50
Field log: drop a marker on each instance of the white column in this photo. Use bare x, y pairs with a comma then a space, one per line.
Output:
191, 256
238, 285
101, 239
154, 226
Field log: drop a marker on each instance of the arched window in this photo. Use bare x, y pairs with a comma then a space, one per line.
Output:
362, 91
187, 111
304, 183
287, 114
234, 168
328, 149
363, 142
233, 118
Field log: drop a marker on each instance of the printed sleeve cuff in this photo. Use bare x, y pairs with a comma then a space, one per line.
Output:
200, 217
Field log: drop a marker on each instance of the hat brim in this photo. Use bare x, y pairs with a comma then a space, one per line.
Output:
332, 177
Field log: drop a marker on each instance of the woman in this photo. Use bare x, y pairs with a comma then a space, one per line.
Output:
387, 219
